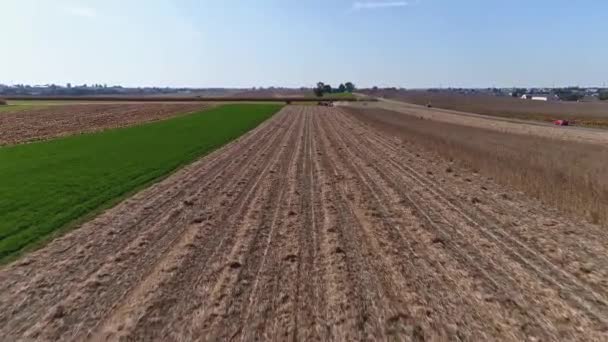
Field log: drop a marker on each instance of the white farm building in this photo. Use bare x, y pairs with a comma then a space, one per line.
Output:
539, 97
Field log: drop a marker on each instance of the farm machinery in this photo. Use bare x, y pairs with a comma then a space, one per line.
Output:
563, 122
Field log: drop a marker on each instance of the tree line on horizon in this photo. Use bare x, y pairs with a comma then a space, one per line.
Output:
323, 88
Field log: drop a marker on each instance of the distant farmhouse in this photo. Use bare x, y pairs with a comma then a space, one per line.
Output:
539, 97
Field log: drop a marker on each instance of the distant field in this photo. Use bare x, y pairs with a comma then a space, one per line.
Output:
47, 185
341, 95
13, 108
593, 114
17, 105
50, 121
295, 93
44, 103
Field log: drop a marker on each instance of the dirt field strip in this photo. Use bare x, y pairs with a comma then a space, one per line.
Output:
579, 134
586, 113
60, 120
316, 226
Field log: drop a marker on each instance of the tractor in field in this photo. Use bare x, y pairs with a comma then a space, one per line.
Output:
563, 122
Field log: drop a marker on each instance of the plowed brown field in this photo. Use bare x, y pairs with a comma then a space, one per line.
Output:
54, 121
316, 226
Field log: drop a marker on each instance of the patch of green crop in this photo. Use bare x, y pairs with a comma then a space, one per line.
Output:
47, 185
13, 108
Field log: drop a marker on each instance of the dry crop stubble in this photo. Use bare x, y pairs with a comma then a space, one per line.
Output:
567, 175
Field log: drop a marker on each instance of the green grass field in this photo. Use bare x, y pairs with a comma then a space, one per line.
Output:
46, 186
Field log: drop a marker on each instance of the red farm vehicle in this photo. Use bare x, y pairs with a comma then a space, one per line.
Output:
563, 122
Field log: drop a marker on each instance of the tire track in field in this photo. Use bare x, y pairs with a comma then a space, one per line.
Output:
278, 255
310, 308
378, 292
231, 296
339, 311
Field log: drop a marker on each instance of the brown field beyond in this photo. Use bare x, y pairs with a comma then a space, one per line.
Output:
49, 121
592, 114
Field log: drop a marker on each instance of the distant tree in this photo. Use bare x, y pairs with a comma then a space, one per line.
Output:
320, 89
375, 88
350, 87
570, 94
318, 92
518, 92
327, 89
341, 88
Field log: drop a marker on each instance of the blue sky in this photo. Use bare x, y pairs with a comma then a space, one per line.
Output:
229, 43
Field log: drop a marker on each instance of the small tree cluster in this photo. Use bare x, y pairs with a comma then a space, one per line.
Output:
518, 92
570, 94
323, 88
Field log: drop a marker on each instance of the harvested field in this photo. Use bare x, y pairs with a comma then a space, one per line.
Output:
316, 226
506, 125
48, 122
568, 175
592, 114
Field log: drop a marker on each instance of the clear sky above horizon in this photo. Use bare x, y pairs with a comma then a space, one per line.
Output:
229, 43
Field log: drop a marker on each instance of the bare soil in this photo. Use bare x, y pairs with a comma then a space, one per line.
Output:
593, 114
60, 120
506, 125
316, 226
